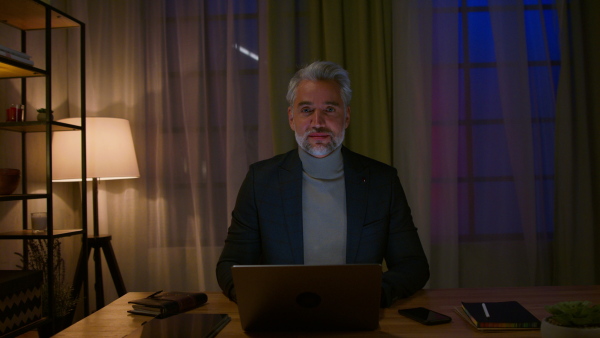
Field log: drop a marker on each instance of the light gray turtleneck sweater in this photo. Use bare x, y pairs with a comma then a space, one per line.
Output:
323, 208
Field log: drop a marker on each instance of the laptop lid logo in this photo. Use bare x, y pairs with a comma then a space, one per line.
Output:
308, 300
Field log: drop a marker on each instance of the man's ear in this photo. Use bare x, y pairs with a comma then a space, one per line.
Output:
347, 122
291, 118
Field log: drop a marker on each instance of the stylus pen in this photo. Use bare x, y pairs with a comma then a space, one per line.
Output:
157, 292
487, 314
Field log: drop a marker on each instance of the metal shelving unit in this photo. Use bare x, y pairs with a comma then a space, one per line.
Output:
25, 16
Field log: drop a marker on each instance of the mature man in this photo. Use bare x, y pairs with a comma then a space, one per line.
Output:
323, 204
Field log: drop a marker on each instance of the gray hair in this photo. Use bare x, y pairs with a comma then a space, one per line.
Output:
321, 70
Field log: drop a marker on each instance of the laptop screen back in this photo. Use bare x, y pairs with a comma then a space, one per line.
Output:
308, 297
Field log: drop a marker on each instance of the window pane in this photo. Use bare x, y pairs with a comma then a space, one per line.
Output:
542, 91
445, 49
485, 101
445, 4
486, 195
490, 151
496, 209
552, 29
442, 157
542, 35
481, 39
536, 40
537, 2
477, 3
543, 141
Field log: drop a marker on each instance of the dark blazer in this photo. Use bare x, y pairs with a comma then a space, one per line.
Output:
266, 225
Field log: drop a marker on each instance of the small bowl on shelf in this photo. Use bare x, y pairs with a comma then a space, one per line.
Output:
9, 180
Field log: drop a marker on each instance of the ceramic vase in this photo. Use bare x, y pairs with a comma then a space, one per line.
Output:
549, 330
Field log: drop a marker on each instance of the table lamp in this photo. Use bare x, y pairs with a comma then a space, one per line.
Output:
110, 155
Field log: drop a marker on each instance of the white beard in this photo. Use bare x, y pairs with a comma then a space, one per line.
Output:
320, 150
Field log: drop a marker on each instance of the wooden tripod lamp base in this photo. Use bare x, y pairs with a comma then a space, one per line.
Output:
100, 244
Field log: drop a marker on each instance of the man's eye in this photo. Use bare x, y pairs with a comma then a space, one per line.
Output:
330, 110
305, 110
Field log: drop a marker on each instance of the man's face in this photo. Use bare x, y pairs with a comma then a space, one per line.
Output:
318, 117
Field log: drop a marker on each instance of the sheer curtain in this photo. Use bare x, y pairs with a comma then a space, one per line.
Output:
185, 74
484, 90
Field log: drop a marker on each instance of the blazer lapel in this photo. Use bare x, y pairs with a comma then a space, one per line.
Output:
290, 181
357, 182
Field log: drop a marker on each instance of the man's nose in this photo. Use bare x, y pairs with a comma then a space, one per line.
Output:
318, 118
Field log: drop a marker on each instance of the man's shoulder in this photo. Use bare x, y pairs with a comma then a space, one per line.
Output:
281, 160
359, 160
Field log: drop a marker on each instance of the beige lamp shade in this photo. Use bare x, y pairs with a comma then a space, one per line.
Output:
109, 150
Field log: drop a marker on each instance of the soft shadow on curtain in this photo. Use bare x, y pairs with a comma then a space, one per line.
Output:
577, 237
186, 74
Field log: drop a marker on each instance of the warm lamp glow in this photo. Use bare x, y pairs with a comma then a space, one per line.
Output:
109, 150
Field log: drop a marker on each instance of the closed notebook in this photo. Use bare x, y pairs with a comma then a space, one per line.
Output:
167, 303
500, 315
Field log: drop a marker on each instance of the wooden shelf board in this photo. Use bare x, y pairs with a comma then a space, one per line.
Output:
31, 15
36, 126
22, 197
30, 234
10, 69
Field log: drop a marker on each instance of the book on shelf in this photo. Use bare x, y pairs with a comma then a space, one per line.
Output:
164, 304
15, 55
204, 325
15, 52
510, 315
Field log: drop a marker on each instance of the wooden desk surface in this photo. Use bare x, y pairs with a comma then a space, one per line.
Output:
114, 321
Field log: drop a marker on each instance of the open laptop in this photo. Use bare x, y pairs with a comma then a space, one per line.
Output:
308, 297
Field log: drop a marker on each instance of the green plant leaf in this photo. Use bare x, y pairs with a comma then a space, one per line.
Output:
575, 313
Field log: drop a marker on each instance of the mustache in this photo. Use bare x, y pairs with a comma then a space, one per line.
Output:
319, 130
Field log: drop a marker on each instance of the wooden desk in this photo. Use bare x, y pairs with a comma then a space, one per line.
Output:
114, 321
